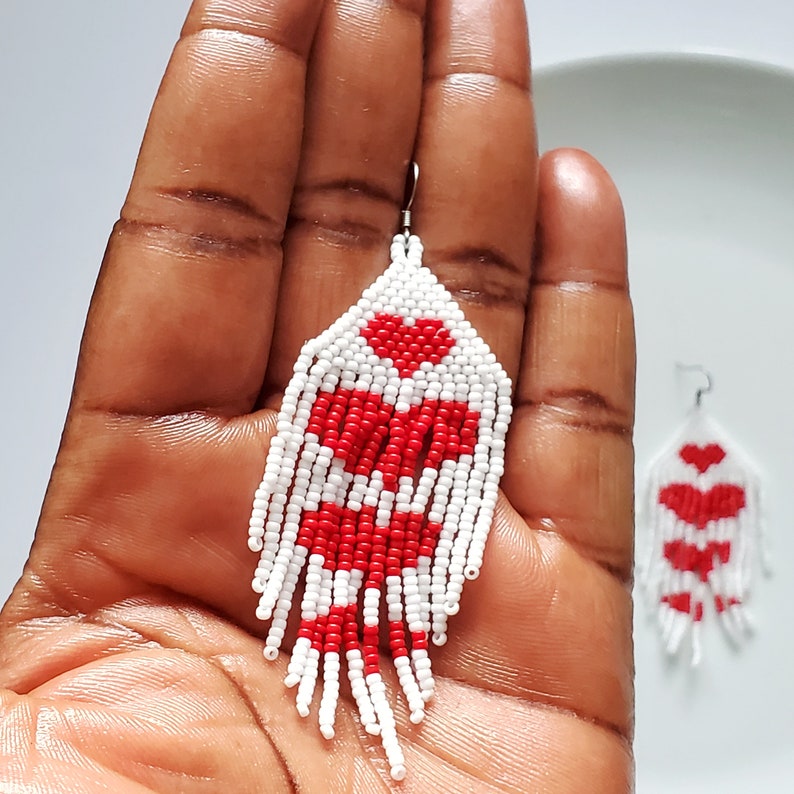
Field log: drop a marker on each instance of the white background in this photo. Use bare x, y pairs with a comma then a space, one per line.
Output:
76, 82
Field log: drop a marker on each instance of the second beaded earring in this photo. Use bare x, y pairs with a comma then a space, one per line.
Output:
703, 511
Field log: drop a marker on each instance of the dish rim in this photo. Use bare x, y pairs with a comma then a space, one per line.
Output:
700, 57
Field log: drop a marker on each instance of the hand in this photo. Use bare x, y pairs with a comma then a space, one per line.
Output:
266, 193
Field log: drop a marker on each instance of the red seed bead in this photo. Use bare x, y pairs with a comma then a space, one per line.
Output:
397, 425
369, 454
326, 524
414, 446
364, 529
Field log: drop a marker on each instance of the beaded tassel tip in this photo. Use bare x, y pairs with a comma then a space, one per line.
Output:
379, 491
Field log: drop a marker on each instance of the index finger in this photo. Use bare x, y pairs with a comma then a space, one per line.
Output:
183, 311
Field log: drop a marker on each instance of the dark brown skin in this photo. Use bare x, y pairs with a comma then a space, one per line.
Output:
267, 189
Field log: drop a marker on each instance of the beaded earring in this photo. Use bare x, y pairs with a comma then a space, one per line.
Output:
703, 511
380, 484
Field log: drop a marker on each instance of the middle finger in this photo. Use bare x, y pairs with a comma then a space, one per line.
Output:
477, 193
363, 97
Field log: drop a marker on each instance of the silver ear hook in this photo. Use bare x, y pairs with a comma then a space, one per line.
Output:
410, 194
709, 387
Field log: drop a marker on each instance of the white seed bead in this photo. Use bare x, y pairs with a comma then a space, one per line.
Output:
308, 681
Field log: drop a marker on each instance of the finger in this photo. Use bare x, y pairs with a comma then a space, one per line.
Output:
569, 463
475, 204
364, 94
549, 619
183, 311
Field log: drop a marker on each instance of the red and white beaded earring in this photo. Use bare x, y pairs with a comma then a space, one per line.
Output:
379, 486
703, 512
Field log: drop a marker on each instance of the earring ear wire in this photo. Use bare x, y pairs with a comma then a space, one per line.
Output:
708, 388
411, 182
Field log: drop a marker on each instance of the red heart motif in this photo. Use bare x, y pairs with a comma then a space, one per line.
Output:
408, 346
698, 507
684, 556
702, 458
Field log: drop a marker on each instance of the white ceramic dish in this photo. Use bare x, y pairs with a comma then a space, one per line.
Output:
702, 149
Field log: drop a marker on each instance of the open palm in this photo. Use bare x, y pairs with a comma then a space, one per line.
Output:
267, 190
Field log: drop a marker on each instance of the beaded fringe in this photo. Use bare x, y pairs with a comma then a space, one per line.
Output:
702, 507
381, 482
